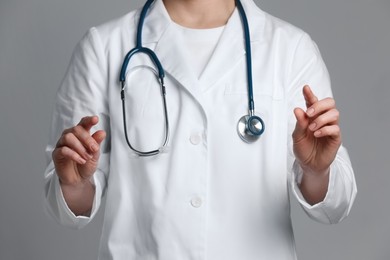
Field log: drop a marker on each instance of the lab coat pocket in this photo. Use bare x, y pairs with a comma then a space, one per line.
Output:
271, 90
269, 105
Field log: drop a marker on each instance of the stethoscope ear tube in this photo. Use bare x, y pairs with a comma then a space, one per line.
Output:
166, 138
161, 74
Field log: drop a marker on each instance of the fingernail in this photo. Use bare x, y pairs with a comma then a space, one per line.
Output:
312, 126
310, 111
82, 161
94, 148
88, 156
317, 133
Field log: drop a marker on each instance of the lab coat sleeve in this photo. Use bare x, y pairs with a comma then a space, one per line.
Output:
82, 93
307, 67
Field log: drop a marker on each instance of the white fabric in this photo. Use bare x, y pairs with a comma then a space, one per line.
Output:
200, 44
210, 196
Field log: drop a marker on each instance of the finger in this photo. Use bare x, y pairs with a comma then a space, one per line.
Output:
84, 137
328, 131
88, 122
65, 152
309, 96
321, 107
99, 136
330, 117
302, 123
71, 141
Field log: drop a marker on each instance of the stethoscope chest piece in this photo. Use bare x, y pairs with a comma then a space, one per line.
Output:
250, 128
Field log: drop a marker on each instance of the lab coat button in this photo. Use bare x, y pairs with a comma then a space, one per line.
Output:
195, 139
196, 202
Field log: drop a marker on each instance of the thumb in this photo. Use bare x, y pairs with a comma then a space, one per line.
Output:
302, 123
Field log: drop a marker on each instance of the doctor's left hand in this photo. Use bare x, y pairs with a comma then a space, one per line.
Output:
317, 137
316, 140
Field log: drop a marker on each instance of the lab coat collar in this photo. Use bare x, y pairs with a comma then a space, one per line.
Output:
229, 50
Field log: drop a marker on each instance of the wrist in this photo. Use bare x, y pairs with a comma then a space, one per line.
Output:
76, 185
314, 185
314, 173
79, 196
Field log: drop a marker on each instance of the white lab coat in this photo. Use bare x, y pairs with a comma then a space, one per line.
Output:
210, 196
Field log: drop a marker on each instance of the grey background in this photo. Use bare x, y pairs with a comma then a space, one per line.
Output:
36, 41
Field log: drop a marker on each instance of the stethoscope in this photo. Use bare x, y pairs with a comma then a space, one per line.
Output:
249, 127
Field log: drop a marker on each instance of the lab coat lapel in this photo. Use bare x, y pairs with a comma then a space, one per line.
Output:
169, 47
173, 56
231, 46
229, 50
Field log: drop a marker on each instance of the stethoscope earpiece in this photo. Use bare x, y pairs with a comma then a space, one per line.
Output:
250, 128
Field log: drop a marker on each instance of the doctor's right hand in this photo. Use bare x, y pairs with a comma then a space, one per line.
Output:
77, 152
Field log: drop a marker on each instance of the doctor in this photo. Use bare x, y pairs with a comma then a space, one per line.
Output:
209, 194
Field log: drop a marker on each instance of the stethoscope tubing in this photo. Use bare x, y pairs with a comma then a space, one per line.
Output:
150, 53
245, 25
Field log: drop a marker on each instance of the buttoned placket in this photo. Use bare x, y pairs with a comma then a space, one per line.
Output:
197, 200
